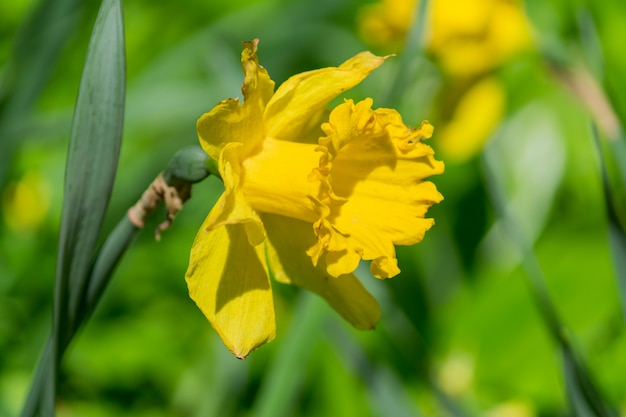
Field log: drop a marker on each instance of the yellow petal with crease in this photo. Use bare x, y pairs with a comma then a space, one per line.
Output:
303, 96
228, 280
229, 121
288, 240
232, 206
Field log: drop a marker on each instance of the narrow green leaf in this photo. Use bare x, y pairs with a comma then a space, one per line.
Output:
92, 159
90, 171
38, 387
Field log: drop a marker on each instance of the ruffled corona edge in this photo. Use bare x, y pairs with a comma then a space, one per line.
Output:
373, 195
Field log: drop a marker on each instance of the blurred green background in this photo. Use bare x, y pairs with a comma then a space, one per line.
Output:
461, 334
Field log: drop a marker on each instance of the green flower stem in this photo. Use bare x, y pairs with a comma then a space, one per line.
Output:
108, 257
35, 398
186, 168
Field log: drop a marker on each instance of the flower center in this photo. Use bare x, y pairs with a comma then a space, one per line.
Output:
276, 179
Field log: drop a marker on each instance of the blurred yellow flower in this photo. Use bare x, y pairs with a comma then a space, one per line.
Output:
385, 24
305, 211
467, 37
25, 203
475, 116
512, 408
456, 374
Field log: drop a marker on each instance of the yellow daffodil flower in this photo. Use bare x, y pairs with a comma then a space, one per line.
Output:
306, 212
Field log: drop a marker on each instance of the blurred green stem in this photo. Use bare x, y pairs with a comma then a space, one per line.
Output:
107, 259
109, 256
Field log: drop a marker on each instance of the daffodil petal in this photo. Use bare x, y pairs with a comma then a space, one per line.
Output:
276, 179
401, 220
288, 240
229, 121
303, 96
232, 207
257, 87
228, 280
342, 262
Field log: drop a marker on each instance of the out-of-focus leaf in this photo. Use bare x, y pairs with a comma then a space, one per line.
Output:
590, 40
285, 376
529, 170
389, 396
387, 392
581, 392
617, 239
614, 161
614, 197
585, 399
36, 48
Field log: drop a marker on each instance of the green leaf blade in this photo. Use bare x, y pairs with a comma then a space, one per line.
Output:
92, 156
92, 160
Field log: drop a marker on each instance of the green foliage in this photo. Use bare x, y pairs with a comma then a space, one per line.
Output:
92, 159
463, 333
